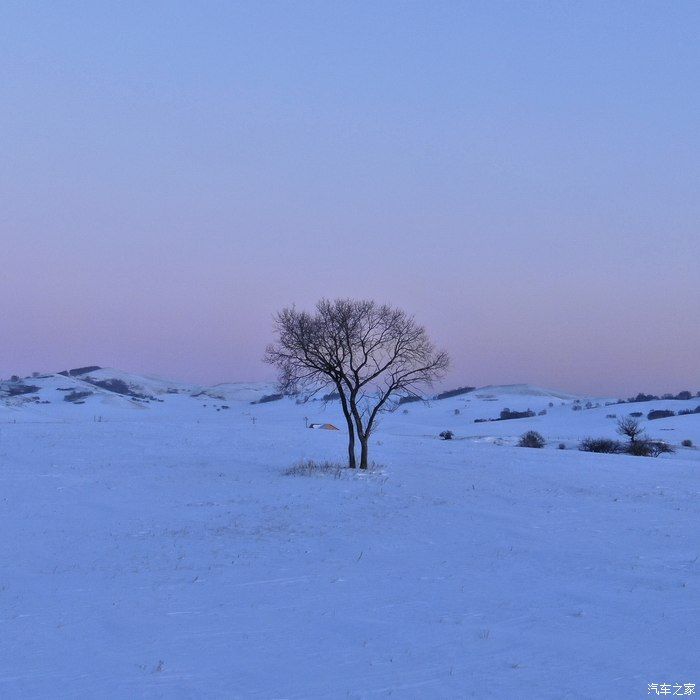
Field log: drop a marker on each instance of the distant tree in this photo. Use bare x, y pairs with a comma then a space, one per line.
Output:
367, 352
630, 428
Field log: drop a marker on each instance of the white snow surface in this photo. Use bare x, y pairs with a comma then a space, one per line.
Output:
156, 549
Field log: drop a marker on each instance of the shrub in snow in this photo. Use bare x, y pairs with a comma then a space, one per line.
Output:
611, 415
576, 407
655, 415
310, 467
531, 439
601, 445
687, 443
447, 435
636, 414
454, 392
268, 398
21, 389
507, 414
77, 396
456, 411
649, 448
562, 446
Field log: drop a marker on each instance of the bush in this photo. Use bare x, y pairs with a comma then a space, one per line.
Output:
447, 435
655, 415
611, 415
77, 396
507, 414
531, 439
21, 389
409, 399
268, 398
562, 446
601, 445
639, 398
649, 448
687, 443
454, 392
636, 414
456, 411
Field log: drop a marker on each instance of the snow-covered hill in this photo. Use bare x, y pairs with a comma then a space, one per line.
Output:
153, 547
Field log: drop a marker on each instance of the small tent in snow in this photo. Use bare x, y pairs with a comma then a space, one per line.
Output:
322, 426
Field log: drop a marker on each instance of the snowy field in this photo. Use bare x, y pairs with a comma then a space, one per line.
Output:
155, 549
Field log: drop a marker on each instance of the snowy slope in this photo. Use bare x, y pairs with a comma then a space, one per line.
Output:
160, 551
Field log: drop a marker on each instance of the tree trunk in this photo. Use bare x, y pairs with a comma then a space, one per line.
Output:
352, 463
364, 442
351, 445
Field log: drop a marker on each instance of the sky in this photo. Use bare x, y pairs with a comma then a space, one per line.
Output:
523, 177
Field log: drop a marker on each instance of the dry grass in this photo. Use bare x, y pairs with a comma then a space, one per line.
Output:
310, 467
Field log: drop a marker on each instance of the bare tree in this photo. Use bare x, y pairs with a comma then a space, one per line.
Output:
630, 428
367, 352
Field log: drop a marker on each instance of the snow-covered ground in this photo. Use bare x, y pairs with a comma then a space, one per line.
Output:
155, 548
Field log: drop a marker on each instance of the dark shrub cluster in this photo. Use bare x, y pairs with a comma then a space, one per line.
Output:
507, 414
660, 413
447, 435
77, 396
649, 448
680, 396
637, 445
118, 386
689, 411
21, 389
268, 398
455, 392
532, 439
687, 443
409, 399
636, 414
601, 445
80, 370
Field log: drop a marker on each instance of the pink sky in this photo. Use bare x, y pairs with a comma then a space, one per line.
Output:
524, 179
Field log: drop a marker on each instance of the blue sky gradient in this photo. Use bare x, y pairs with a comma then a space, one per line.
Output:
523, 177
